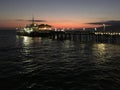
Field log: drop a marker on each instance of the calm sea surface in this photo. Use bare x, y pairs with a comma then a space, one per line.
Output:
45, 64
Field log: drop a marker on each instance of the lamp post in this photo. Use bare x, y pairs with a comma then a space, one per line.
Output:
104, 27
95, 29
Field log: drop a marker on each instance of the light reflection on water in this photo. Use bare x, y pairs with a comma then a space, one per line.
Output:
27, 41
42, 63
67, 51
101, 48
104, 52
100, 52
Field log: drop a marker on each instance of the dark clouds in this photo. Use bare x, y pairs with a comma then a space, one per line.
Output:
110, 23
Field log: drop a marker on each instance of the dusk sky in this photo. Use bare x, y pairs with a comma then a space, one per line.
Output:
59, 13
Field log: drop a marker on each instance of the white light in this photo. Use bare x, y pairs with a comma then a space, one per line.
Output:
83, 28
28, 30
63, 29
95, 29
104, 27
35, 24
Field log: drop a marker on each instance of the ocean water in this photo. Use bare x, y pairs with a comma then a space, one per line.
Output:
37, 63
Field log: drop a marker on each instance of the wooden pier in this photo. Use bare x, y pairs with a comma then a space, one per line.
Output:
83, 36
86, 36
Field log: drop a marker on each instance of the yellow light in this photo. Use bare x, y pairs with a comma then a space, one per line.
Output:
44, 28
35, 24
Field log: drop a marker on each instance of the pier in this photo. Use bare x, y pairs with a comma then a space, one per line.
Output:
83, 36
91, 36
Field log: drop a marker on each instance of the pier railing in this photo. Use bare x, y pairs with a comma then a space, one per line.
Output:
86, 36
89, 36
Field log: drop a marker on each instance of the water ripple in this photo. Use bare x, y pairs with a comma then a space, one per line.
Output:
44, 64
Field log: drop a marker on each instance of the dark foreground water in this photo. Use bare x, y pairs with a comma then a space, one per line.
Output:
45, 64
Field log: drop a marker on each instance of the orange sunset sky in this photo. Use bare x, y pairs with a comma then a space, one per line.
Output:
58, 13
